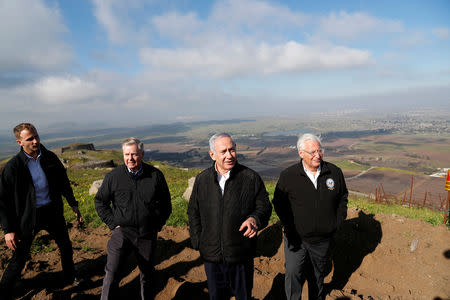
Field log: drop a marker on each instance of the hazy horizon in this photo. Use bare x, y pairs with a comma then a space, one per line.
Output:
126, 63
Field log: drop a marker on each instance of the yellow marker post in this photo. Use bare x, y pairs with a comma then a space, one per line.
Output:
447, 188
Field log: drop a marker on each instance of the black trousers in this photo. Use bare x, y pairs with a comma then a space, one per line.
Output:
305, 261
47, 219
224, 278
123, 241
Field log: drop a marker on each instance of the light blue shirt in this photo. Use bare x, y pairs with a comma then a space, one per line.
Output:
40, 182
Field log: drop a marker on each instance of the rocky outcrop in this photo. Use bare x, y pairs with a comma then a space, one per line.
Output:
95, 164
78, 146
95, 186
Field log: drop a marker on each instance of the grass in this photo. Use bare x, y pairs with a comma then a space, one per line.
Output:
177, 180
42, 244
396, 170
87, 248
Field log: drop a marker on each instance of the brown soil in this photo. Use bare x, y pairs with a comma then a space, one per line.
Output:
372, 259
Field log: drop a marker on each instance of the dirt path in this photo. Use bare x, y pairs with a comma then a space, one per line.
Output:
372, 259
360, 174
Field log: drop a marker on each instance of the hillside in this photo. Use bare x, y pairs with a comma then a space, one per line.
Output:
372, 260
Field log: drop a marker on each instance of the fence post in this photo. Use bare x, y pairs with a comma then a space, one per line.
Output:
446, 208
384, 193
376, 194
411, 189
447, 188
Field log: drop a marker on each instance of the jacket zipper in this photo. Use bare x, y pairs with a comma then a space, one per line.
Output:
221, 220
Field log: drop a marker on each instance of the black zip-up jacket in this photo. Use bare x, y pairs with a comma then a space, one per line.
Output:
17, 194
141, 204
305, 212
214, 220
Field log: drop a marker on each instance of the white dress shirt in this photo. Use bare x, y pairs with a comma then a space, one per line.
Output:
222, 179
312, 176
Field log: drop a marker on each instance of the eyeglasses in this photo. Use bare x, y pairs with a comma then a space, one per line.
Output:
314, 153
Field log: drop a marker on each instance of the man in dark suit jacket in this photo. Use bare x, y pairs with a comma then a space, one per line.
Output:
31, 187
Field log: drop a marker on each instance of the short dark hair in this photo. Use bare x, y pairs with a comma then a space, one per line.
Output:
21, 127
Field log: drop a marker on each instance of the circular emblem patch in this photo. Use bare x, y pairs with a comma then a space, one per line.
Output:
330, 184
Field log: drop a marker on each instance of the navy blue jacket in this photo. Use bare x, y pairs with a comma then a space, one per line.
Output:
141, 204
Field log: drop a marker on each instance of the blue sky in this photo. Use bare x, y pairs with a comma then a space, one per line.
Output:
129, 62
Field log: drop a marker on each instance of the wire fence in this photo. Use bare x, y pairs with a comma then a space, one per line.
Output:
414, 198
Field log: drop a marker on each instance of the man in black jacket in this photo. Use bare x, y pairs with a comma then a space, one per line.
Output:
134, 201
31, 187
311, 200
228, 205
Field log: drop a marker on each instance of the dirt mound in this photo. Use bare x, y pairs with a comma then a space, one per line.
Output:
374, 257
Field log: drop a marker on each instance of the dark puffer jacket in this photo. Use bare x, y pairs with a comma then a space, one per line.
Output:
214, 220
141, 204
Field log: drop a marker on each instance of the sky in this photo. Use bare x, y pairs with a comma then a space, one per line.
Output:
136, 62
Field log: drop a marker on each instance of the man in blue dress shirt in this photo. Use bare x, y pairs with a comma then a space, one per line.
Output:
31, 187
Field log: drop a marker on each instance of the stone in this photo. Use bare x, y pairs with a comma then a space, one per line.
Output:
95, 186
414, 245
188, 192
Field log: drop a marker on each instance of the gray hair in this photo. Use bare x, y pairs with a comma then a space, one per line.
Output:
305, 137
133, 141
215, 137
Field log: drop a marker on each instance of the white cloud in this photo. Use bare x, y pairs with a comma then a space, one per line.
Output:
355, 25
230, 20
67, 89
178, 26
411, 39
60, 90
31, 37
442, 32
115, 28
240, 58
117, 19
255, 13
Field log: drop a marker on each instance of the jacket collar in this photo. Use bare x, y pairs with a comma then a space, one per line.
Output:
24, 158
323, 168
237, 167
145, 171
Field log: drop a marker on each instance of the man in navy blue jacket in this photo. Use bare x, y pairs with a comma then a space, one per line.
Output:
134, 201
31, 187
311, 200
